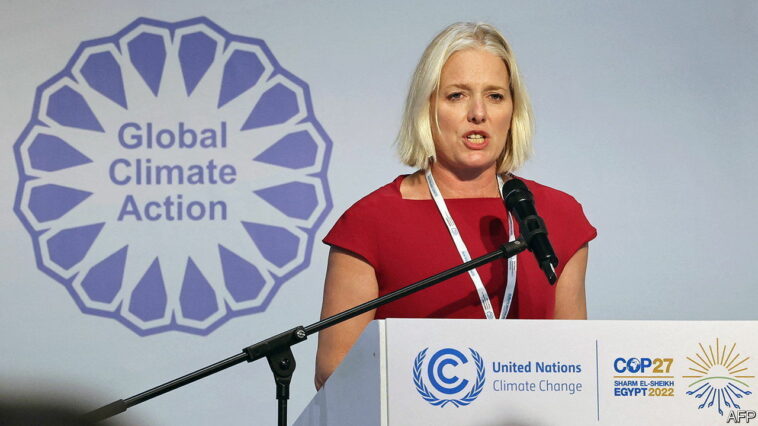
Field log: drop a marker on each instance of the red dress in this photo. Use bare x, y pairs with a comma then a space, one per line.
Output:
406, 241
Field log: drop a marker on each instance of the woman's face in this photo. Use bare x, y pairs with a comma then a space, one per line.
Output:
474, 109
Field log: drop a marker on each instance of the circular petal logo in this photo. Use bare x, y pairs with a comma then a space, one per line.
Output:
173, 176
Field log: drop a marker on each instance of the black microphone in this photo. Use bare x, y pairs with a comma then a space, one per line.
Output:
520, 202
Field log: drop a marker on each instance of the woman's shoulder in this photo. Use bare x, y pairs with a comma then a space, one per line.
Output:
356, 229
547, 193
568, 225
550, 201
389, 193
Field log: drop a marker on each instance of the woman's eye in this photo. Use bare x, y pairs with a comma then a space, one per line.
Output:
455, 96
497, 96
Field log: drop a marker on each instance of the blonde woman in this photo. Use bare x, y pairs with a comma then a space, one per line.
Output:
467, 127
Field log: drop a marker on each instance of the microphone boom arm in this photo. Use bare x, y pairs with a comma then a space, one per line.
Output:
277, 349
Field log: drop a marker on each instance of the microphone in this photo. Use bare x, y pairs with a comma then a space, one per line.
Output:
520, 202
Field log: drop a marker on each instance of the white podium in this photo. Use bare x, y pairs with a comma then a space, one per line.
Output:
524, 372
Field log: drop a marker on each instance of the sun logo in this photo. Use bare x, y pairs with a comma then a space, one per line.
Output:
719, 379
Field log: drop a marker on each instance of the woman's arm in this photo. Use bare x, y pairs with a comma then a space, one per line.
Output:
350, 281
570, 300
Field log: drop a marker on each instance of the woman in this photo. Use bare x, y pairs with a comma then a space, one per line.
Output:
467, 125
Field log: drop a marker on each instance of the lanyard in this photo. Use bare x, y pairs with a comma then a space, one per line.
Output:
465, 256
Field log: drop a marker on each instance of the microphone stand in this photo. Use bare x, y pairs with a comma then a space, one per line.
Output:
277, 349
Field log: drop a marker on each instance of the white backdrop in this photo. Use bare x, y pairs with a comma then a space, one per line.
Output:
645, 113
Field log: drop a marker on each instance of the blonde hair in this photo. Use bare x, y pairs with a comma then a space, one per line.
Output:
414, 140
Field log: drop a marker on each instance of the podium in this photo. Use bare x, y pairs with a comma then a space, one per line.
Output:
543, 372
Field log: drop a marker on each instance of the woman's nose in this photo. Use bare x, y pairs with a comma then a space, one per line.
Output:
477, 112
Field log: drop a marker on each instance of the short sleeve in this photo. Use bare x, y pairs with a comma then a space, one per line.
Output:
579, 232
355, 231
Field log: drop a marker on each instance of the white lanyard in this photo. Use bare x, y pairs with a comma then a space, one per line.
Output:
465, 256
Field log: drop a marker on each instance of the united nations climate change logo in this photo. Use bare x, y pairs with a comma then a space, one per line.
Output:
172, 176
721, 379
442, 370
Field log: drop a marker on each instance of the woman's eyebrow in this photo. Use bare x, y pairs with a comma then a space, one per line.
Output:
467, 87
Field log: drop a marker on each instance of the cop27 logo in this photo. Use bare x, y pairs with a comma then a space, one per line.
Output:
442, 370
172, 176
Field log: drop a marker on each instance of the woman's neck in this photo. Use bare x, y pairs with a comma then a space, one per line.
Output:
451, 185
471, 184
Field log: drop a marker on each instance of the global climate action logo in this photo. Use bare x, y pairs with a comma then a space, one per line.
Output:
442, 371
172, 176
721, 377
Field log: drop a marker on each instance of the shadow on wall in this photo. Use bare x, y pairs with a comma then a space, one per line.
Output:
20, 411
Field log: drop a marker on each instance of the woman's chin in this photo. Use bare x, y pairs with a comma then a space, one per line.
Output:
478, 161
470, 168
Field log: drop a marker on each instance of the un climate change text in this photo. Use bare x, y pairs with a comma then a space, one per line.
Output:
557, 376
143, 171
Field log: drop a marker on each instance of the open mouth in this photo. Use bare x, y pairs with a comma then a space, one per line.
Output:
476, 139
